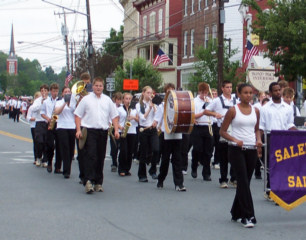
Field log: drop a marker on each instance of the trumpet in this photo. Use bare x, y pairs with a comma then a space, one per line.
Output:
143, 129
51, 125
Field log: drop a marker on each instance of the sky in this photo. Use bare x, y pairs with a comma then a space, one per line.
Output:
37, 27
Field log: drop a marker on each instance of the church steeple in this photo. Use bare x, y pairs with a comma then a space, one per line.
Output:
12, 47
11, 62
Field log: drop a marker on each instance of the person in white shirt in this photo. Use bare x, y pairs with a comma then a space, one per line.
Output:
40, 127
275, 115
114, 144
93, 113
47, 111
244, 140
24, 107
31, 117
126, 115
171, 150
201, 136
148, 137
288, 97
218, 108
65, 131
16, 110
216, 134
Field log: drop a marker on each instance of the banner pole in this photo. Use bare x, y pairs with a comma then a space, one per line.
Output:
265, 161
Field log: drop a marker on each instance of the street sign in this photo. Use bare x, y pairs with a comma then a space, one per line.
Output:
130, 84
110, 86
110, 80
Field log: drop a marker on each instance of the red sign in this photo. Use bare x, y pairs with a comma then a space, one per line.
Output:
130, 84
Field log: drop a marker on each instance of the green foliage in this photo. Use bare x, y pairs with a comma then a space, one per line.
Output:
284, 29
207, 66
3, 82
141, 70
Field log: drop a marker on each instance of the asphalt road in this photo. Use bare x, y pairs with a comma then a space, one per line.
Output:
37, 205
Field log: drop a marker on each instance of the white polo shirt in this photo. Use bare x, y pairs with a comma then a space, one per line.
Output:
36, 107
66, 117
47, 107
216, 106
95, 112
145, 122
30, 115
276, 116
198, 105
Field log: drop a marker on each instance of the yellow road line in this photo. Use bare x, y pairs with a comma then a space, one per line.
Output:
16, 136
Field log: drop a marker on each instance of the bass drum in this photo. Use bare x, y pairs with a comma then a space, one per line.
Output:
179, 112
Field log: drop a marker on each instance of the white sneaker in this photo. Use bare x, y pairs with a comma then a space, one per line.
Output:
89, 188
233, 184
217, 166
223, 185
247, 223
38, 162
45, 164
184, 172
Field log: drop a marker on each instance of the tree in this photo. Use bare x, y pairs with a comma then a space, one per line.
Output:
3, 82
284, 29
207, 66
142, 70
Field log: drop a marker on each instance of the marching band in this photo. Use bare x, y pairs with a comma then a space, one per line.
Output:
225, 132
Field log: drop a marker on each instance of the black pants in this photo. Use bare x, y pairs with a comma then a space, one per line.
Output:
16, 113
92, 155
51, 145
185, 148
114, 148
224, 161
148, 144
243, 162
66, 143
126, 153
171, 148
216, 137
34, 143
202, 143
41, 139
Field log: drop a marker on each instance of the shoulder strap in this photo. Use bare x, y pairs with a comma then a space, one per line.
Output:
294, 111
222, 102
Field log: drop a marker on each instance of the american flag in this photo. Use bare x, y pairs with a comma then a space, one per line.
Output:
68, 78
160, 58
251, 51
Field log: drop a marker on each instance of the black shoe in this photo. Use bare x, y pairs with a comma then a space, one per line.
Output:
160, 184
128, 174
207, 178
154, 176
194, 174
66, 176
114, 168
49, 169
57, 171
143, 179
253, 220
258, 177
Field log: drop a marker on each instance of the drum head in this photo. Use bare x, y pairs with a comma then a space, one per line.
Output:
82, 140
170, 112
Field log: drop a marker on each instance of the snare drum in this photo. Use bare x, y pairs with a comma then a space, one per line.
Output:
179, 112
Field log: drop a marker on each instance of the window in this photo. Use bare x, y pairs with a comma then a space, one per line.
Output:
152, 22
160, 20
206, 3
11, 67
199, 5
214, 34
170, 63
185, 44
192, 42
144, 26
206, 37
186, 8
192, 6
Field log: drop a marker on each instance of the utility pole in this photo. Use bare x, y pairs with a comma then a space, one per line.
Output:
220, 44
71, 45
65, 35
90, 46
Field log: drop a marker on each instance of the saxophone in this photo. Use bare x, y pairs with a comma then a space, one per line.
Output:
54, 118
127, 125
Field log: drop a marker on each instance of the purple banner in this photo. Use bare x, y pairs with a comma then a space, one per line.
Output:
288, 168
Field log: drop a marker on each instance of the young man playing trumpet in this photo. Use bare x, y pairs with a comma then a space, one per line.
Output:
127, 127
93, 113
